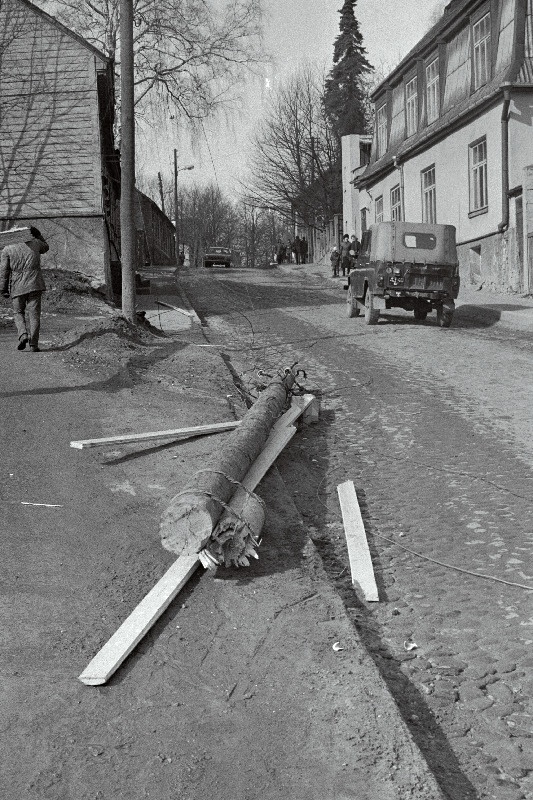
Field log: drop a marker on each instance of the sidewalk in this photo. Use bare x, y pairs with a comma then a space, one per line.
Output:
503, 309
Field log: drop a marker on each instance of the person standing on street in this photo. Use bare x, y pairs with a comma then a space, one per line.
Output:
280, 252
346, 260
354, 250
335, 258
297, 249
305, 249
22, 280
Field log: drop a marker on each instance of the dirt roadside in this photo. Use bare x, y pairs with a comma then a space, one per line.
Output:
237, 692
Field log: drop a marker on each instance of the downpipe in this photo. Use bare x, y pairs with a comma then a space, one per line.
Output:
504, 224
399, 167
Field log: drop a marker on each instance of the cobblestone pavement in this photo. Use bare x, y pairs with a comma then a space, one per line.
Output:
435, 428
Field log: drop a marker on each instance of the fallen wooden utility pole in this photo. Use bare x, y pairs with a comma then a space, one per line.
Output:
235, 518
117, 649
187, 523
234, 538
358, 550
177, 433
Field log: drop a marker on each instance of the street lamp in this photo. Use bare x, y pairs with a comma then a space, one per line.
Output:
176, 231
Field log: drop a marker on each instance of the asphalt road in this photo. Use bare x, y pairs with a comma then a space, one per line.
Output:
435, 428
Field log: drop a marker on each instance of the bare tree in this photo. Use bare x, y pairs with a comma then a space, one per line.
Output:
191, 56
295, 153
205, 217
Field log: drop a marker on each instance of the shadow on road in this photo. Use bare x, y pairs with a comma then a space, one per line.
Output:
469, 316
124, 378
307, 478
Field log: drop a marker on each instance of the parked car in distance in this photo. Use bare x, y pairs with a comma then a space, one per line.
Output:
218, 257
410, 265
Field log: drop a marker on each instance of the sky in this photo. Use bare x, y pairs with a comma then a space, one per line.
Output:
295, 31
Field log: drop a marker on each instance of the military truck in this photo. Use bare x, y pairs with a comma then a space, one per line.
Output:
409, 265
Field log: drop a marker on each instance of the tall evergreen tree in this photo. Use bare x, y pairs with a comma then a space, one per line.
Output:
344, 98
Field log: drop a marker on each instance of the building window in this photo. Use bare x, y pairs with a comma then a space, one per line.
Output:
396, 204
411, 106
379, 209
429, 195
364, 153
381, 124
478, 175
432, 90
481, 36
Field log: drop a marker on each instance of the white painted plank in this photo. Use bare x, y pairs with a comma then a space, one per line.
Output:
141, 619
178, 433
274, 445
358, 550
298, 407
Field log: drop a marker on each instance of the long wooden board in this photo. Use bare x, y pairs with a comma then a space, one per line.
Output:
358, 550
299, 405
177, 433
141, 619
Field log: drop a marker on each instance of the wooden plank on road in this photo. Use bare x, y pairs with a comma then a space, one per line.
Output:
176, 433
141, 619
358, 550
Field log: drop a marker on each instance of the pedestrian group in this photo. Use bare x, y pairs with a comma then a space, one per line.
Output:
346, 257
295, 252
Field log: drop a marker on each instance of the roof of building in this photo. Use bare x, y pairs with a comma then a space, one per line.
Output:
456, 115
436, 129
452, 12
54, 21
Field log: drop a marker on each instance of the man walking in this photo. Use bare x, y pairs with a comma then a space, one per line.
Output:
22, 280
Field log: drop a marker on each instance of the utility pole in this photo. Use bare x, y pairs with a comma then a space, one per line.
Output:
161, 195
127, 162
176, 232
252, 243
176, 208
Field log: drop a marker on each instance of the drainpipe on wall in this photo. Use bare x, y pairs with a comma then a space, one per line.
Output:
399, 167
504, 224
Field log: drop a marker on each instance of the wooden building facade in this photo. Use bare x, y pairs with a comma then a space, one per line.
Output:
453, 139
60, 170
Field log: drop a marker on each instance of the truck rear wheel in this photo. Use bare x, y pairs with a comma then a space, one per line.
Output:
445, 314
420, 313
352, 306
371, 313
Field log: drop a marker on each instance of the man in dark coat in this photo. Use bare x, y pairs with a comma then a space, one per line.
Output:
22, 280
345, 254
304, 248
